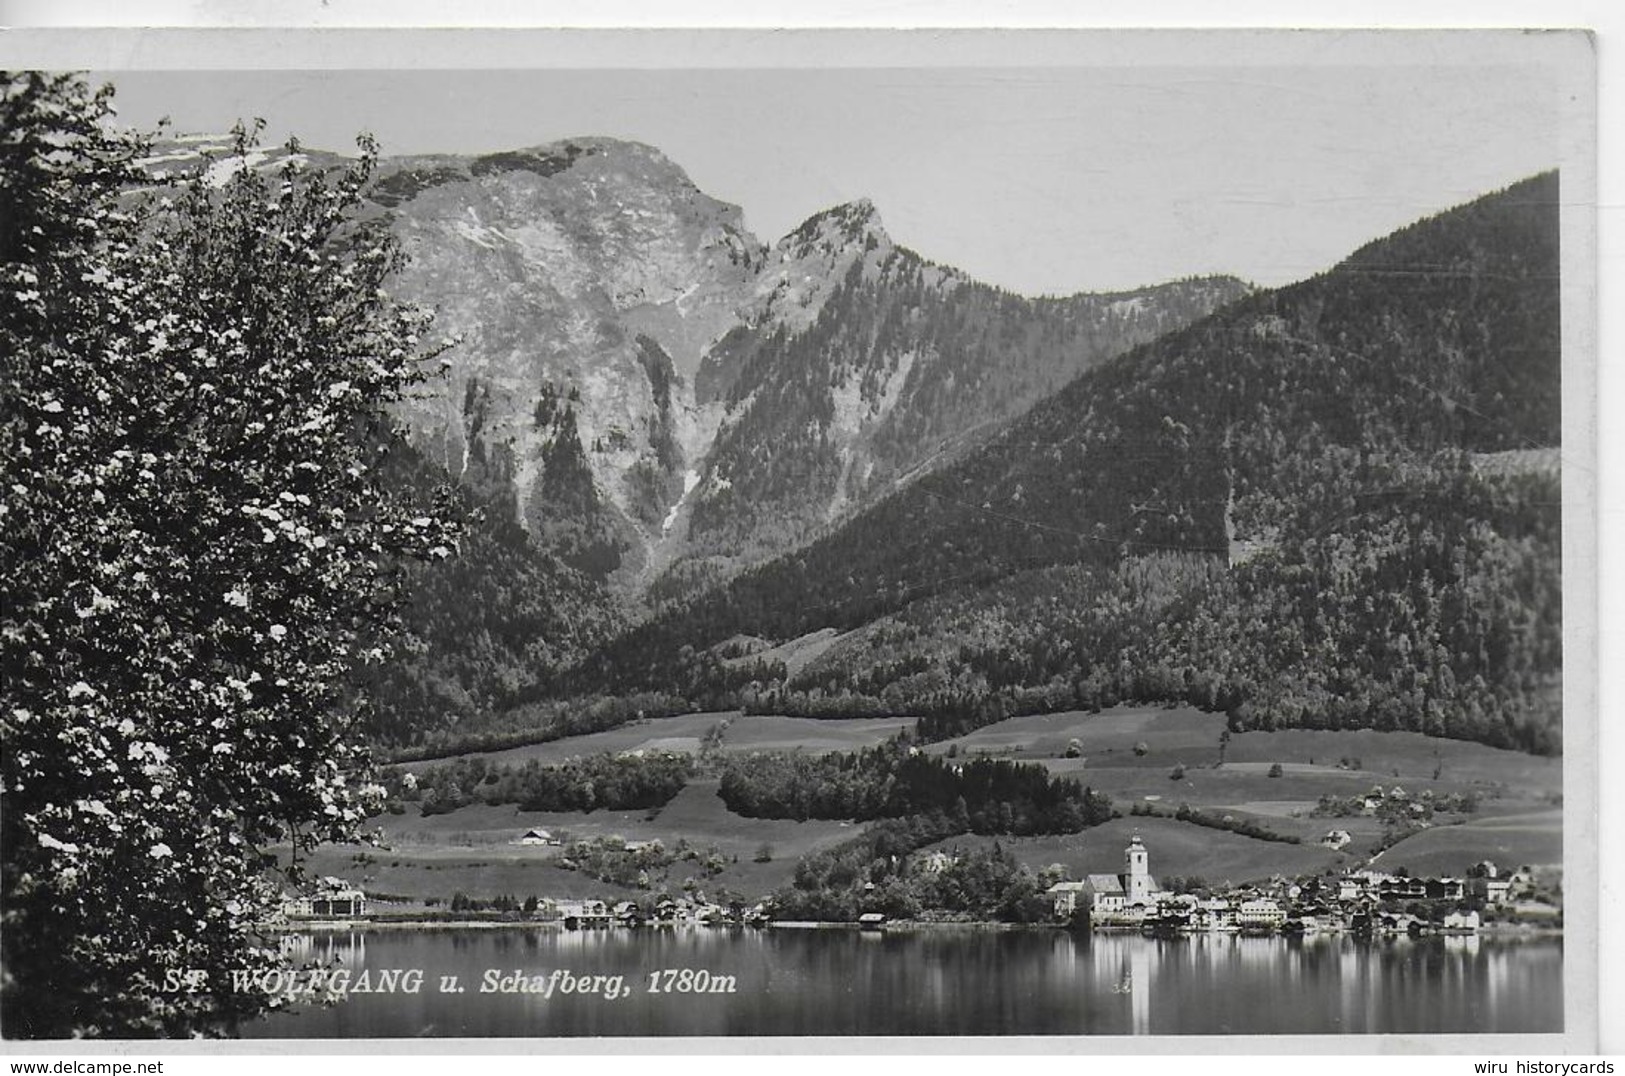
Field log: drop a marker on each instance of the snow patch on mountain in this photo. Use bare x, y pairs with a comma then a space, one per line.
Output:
691, 478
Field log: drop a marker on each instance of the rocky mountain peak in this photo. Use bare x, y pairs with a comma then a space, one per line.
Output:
665, 395
850, 224
806, 266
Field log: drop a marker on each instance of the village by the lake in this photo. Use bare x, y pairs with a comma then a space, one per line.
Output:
1363, 902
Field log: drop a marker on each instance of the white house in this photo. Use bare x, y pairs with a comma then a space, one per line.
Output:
332, 898
1214, 914
1066, 896
1106, 897
1461, 922
1260, 912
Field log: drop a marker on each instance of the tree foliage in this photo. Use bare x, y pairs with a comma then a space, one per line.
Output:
894, 780
610, 782
876, 872
198, 557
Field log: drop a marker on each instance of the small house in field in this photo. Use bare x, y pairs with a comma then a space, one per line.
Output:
538, 837
1336, 839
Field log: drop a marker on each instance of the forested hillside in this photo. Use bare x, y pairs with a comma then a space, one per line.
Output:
487, 625
1332, 504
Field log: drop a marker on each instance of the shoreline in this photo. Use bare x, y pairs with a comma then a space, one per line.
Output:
910, 926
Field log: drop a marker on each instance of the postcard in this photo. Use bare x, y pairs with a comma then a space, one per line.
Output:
577, 537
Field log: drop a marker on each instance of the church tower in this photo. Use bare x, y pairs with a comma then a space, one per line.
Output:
1137, 883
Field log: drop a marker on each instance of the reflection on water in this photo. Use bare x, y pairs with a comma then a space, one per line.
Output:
935, 982
326, 950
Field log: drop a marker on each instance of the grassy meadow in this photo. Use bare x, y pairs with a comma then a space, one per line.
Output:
1516, 821
473, 850
1129, 753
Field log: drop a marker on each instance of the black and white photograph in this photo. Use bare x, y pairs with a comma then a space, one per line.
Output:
821, 534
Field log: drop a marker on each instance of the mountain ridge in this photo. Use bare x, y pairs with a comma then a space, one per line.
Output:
594, 269
1277, 438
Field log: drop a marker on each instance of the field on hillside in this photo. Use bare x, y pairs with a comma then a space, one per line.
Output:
1312, 763
1534, 838
472, 850
767, 732
681, 733
1509, 785
1175, 735
1176, 848
422, 876
1406, 756
685, 732
1517, 821
1189, 737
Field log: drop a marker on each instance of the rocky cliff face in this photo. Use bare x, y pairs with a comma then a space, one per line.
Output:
670, 400
583, 282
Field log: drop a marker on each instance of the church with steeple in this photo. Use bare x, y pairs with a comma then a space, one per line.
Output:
1127, 897
1138, 885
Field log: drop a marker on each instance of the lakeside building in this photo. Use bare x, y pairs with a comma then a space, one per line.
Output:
1366, 900
578, 914
332, 898
1067, 896
1260, 913
1122, 899
1461, 923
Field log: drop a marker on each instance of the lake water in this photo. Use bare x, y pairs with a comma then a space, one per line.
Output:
927, 982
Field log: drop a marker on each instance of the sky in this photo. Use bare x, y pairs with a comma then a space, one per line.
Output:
1044, 179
